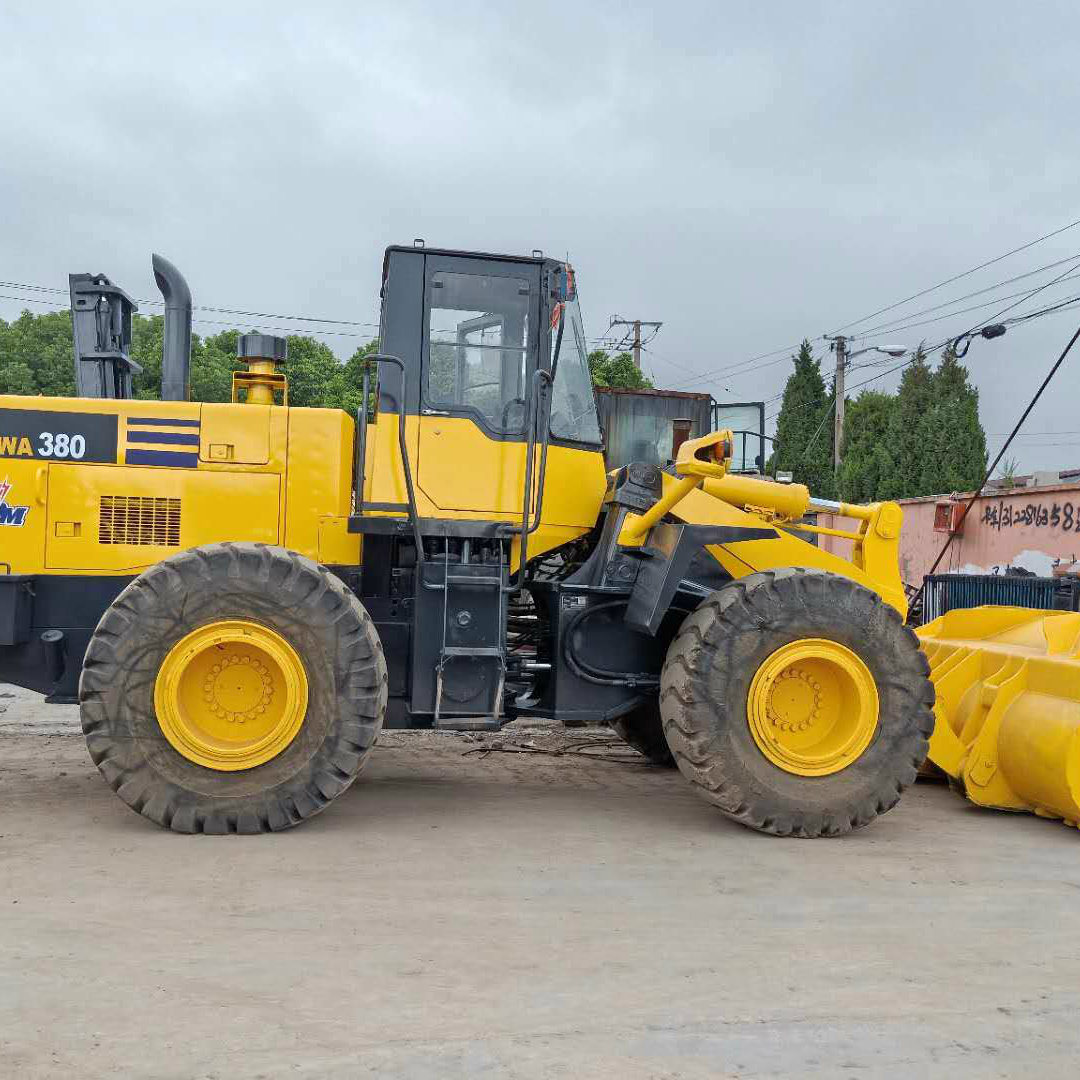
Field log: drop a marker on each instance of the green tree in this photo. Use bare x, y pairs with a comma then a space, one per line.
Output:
804, 427
147, 337
905, 439
955, 443
16, 378
42, 345
213, 361
865, 461
312, 368
935, 443
346, 389
617, 371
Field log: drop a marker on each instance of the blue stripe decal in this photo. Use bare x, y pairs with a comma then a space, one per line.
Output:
160, 421
172, 438
175, 459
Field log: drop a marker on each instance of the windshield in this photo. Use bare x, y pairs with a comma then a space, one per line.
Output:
573, 406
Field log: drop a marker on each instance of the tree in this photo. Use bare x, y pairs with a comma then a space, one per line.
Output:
804, 429
1007, 472
935, 443
40, 344
16, 378
346, 390
617, 371
311, 367
865, 461
905, 449
147, 339
213, 361
955, 446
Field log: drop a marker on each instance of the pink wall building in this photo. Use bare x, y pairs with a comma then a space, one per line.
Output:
1035, 528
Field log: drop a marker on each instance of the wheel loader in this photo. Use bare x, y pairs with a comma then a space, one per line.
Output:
242, 595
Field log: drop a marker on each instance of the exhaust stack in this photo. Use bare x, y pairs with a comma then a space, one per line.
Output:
176, 358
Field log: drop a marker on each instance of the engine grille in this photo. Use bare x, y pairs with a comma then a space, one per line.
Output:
139, 520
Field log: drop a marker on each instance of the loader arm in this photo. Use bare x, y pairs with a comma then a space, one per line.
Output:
768, 515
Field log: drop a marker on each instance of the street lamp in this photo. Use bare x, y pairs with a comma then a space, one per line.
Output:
876, 348
839, 345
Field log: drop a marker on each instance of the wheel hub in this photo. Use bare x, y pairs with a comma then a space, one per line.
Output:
231, 695
812, 707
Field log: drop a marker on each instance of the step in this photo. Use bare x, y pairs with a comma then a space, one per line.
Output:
467, 723
472, 650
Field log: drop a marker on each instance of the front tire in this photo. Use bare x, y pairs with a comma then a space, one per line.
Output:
233, 688
797, 702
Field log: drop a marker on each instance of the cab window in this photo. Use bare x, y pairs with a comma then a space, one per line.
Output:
478, 339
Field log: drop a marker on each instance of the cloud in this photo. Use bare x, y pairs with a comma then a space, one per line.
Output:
748, 174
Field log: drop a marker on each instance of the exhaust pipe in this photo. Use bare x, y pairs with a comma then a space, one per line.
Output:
176, 358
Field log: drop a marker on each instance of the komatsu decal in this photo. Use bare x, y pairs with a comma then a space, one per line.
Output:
11, 515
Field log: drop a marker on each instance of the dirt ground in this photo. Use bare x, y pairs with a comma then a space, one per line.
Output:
522, 915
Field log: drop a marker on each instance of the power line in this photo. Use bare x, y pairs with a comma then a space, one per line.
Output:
963, 311
200, 307
1001, 453
993, 319
730, 371
743, 366
31, 300
957, 277
967, 296
205, 322
632, 338
665, 359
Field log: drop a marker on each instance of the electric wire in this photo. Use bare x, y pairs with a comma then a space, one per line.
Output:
958, 277
197, 307
744, 364
219, 322
1001, 453
924, 352
967, 296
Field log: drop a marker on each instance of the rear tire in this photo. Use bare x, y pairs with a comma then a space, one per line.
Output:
643, 729
341, 671
709, 674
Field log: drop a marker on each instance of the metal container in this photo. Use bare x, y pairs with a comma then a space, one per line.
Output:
942, 593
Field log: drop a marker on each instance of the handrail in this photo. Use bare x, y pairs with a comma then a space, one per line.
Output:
361, 441
414, 517
540, 379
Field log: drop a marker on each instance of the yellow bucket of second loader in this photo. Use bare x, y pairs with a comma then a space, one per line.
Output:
1008, 707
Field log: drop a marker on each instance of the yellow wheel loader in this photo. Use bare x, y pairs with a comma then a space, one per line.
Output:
241, 596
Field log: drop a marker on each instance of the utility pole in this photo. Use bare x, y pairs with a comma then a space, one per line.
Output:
636, 325
839, 346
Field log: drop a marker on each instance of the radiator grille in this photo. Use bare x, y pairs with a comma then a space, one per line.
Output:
134, 519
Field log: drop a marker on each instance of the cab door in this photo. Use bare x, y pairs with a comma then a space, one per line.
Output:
479, 353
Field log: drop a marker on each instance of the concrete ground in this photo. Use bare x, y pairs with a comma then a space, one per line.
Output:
522, 915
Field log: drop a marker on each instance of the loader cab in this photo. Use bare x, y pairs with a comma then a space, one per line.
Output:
493, 411
473, 329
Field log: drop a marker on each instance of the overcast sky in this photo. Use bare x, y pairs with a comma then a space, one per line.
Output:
749, 174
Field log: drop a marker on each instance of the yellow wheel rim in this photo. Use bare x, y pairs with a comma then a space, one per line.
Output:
812, 707
231, 695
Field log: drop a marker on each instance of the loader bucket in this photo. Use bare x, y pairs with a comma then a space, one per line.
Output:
1007, 715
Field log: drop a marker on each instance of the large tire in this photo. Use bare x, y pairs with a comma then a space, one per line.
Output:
295, 599
706, 682
643, 729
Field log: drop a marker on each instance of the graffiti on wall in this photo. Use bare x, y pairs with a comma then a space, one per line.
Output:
1058, 517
